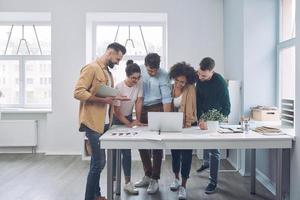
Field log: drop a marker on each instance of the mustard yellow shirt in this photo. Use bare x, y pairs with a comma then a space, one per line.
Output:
92, 115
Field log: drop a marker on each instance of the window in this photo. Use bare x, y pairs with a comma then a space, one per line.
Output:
286, 61
9, 89
287, 19
287, 72
139, 40
25, 58
35, 88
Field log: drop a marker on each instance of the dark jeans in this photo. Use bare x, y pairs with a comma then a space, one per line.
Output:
152, 171
98, 162
211, 158
183, 159
126, 153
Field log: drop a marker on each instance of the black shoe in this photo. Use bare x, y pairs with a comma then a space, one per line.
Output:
211, 188
203, 167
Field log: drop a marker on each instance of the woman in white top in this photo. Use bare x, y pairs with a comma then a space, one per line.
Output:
133, 89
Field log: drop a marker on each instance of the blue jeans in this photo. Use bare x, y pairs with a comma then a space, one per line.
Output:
183, 158
126, 153
211, 158
126, 162
98, 162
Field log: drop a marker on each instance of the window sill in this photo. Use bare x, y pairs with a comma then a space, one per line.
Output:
25, 110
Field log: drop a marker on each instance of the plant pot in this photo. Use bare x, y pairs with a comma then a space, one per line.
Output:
212, 125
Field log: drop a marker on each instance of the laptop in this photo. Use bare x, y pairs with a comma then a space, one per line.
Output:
165, 121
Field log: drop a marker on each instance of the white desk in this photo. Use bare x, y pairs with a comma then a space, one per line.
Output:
194, 138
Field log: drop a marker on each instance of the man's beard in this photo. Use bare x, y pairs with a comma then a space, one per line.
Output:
111, 64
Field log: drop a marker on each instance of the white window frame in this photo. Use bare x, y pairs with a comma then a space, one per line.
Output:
134, 19
280, 46
143, 24
22, 60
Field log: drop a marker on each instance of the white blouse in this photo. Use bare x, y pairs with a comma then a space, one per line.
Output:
177, 101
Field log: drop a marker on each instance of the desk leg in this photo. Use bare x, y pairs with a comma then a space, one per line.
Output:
118, 172
253, 171
283, 174
110, 186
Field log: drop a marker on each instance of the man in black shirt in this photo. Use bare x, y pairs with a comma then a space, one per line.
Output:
211, 93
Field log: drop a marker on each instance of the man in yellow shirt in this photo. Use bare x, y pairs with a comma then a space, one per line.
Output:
95, 113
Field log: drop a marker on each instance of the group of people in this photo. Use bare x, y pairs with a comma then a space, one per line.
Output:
148, 88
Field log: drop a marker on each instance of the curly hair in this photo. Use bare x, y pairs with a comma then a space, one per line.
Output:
183, 69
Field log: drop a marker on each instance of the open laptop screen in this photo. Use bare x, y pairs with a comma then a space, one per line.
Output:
165, 121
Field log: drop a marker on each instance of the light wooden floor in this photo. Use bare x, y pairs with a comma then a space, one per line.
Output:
40, 177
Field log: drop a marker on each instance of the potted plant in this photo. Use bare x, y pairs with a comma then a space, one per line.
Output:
212, 118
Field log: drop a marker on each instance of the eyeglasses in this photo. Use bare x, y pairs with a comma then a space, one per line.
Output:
134, 78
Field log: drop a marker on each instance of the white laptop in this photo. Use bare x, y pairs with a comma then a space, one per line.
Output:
165, 121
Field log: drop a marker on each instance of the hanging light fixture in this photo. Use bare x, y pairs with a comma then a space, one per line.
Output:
129, 37
23, 40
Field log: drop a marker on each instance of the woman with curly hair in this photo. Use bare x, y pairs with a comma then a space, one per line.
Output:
184, 100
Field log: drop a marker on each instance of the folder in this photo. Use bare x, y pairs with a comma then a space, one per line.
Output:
106, 91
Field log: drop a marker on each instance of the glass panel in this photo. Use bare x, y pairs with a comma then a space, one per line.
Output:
14, 40
154, 38
38, 82
44, 35
9, 82
288, 25
17, 39
287, 73
4, 33
131, 36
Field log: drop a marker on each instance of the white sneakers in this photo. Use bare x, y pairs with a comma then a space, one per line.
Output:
175, 185
144, 182
181, 193
151, 183
129, 187
153, 187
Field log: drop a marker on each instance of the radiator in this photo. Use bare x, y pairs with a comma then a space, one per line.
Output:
18, 133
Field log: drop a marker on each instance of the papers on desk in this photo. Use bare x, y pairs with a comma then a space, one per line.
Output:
230, 129
154, 137
266, 130
136, 132
124, 132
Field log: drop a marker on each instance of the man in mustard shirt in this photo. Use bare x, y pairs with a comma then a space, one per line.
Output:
95, 113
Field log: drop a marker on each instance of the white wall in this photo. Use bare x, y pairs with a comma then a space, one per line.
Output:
233, 39
260, 66
260, 53
233, 12
250, 33
195, 30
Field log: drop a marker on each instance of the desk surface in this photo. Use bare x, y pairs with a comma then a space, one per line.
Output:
191, 138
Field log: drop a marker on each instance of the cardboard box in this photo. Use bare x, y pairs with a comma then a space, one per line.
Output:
265, 115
